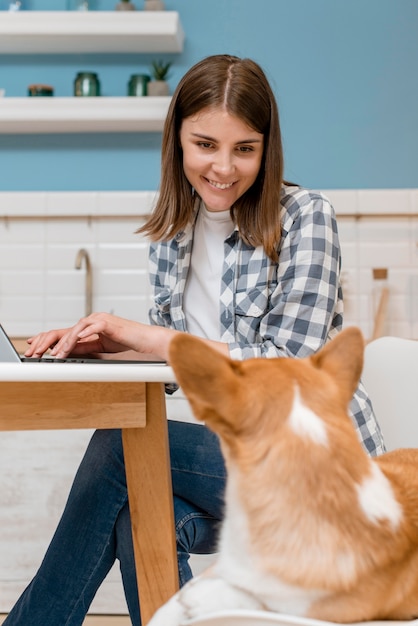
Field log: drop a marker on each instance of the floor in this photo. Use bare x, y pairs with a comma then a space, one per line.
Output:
99, 620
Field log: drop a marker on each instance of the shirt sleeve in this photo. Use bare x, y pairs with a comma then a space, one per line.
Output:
158, 271
305, 308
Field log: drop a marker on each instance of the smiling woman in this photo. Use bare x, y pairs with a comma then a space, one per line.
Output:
221, 157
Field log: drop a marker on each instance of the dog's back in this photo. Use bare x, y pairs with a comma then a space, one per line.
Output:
313, 526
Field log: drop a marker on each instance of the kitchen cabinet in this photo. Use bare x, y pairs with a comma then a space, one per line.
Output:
59, 32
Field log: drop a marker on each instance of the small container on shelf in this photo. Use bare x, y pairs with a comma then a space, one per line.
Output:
125, 5
86, 84
37, 89
12, 5
79, 5
138, 85
154, 5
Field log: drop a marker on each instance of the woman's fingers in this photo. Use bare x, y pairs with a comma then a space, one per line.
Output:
39, 344
71, 338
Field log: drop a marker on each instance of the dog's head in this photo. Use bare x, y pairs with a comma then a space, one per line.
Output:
239, 400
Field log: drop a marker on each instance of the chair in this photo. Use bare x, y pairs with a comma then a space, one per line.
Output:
390, 376
265, 618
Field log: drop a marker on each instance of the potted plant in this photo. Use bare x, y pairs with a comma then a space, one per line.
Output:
158, 85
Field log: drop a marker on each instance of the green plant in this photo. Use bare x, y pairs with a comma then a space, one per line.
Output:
160, 69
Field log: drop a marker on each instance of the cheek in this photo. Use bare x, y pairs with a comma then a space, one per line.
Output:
251, 170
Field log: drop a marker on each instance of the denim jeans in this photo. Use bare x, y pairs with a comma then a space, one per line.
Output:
95, 528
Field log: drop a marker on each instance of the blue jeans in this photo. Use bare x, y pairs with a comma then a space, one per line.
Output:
95, 527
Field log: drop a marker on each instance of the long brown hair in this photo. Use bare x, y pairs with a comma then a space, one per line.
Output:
241, 87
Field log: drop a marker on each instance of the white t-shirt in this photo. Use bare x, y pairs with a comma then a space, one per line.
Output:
202, 292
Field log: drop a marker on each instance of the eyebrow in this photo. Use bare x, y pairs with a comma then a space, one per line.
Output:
208, 138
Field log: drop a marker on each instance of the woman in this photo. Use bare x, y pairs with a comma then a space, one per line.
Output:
238, 257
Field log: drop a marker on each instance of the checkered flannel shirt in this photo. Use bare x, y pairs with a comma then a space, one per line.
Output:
267, 309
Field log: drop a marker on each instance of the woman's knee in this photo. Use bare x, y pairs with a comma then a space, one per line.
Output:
196, 530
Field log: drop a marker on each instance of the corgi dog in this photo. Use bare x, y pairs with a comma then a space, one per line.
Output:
313, 526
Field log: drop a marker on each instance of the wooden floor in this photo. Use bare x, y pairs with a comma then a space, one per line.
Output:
99, 620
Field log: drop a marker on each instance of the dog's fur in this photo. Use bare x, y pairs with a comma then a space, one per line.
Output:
313, 526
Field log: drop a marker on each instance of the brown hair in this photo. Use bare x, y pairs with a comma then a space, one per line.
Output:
241, 87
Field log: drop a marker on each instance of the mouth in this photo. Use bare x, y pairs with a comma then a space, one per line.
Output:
221, 186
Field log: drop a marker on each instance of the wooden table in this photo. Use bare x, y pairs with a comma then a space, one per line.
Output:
42, 396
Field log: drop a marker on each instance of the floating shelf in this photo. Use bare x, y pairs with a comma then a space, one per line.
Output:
69, 32
82, 115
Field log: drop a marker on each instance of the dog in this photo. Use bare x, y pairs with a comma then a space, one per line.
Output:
313, 526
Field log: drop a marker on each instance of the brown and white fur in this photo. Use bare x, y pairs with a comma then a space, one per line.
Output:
313, 526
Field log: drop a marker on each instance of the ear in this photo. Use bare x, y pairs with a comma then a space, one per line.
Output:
209, 379
342, 358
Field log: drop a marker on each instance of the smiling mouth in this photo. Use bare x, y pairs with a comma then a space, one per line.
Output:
220, 185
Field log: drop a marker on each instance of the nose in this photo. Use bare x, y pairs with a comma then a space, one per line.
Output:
223, 163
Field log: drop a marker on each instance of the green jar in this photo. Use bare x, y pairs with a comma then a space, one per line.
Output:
138, 85
86, 84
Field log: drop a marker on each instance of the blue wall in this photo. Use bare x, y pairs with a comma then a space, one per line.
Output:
345, 76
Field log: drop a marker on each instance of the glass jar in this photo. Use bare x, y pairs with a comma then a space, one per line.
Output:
86, 84
138, 84
125, 5
40, 90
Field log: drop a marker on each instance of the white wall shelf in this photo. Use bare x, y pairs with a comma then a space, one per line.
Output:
82, 115
67, 32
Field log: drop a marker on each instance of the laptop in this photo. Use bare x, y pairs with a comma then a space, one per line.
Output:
9, 354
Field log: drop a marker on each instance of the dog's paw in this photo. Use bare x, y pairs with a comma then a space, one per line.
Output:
204, 595
170, 614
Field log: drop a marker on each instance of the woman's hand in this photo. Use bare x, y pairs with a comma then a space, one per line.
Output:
39, 344
101, 333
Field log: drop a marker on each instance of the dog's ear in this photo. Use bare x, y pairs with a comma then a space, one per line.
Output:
342, 358
209, 379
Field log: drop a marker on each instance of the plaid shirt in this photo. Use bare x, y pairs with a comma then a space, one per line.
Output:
267, 309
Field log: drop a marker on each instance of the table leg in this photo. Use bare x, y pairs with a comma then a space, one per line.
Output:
151, 504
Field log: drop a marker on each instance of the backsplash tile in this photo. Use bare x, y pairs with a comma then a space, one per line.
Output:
40, 287
39, 284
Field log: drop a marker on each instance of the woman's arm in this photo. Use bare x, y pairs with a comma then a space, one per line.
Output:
105, 333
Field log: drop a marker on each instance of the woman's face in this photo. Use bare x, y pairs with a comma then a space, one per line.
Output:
221, 156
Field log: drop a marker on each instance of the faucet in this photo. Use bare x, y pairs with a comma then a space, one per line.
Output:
83, 255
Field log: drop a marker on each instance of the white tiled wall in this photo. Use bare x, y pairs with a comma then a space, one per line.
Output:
39, 285
379, 229
40, 288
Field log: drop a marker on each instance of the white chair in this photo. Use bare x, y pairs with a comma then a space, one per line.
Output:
264, 618
390, 376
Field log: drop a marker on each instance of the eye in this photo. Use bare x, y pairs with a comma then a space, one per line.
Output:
205, 144
245, 149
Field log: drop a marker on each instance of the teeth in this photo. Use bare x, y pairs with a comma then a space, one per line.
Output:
220, 185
